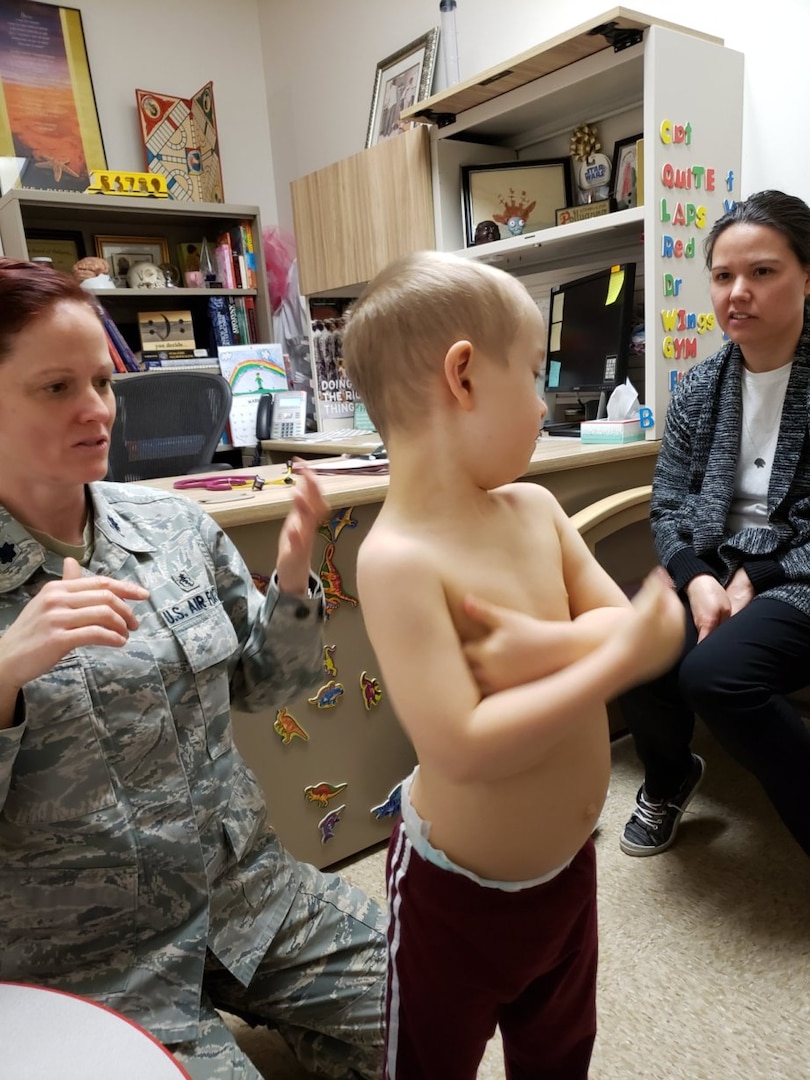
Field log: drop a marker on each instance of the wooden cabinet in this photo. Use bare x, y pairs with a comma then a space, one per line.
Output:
45, 212
629, 75
352, 218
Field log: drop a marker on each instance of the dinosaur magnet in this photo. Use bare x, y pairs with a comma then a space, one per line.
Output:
340, 520
328, 824
332, 583
261, 581
391, 806
321, 793
287, 727
371, 690
328, 695
329, 665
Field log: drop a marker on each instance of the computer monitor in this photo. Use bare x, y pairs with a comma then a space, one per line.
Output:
589, 326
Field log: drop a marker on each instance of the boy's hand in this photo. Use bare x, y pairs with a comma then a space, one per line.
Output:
655, 634
515, 649
297, 536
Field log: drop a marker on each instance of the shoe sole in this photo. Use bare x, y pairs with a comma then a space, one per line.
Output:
637, 851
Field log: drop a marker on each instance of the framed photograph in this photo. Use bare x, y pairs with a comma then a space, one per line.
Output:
624, 182
519, 196
122, 252
63, 247
50, 123
402, 79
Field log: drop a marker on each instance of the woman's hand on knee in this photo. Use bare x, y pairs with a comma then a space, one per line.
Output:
740, 591
709, 603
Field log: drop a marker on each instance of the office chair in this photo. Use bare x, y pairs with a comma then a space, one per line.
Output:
167, 424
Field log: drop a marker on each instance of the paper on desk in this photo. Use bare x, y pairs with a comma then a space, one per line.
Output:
345, 464
623, 403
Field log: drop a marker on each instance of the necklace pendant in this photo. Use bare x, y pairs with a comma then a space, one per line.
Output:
759, 462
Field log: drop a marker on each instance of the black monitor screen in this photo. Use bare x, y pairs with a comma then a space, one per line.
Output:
589, 326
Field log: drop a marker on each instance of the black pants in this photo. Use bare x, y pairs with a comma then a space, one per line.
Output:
736, 680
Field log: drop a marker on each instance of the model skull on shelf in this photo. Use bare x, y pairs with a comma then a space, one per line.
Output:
145, 275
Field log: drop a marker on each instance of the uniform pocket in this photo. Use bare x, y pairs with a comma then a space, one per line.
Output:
71, 928
60, 772
244, 821
208, 642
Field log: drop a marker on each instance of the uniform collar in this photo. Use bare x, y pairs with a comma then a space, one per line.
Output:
21, 555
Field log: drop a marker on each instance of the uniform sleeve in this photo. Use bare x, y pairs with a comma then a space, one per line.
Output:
280, 636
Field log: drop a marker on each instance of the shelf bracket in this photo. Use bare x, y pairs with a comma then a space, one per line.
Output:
440, 119
617, 36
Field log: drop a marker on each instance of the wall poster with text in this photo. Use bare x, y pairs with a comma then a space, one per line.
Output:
50, 137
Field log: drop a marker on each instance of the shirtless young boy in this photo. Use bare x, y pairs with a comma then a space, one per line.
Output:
491, 874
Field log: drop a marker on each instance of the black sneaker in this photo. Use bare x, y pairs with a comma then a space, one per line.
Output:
653, 825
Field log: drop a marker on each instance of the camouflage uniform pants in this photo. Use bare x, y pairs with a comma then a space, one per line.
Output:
321, 985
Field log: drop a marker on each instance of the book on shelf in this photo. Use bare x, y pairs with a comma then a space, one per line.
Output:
250, 311
223, 260
219, 321
118, 341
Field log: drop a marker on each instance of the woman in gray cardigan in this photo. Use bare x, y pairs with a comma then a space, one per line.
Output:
730, 516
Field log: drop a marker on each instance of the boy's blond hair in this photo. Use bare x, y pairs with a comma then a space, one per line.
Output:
399, 330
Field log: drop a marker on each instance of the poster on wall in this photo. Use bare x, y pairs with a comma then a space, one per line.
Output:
50, 136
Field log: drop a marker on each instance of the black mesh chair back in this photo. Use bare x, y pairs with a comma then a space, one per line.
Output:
167, 423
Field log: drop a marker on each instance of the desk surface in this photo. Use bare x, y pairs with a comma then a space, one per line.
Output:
551, 456
356, 444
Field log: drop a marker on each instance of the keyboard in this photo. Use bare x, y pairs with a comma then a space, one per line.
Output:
339, 434
570, 431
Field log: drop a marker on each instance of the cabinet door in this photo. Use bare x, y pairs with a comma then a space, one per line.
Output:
354, 217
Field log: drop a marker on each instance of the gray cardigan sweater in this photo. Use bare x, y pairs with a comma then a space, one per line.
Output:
694, 483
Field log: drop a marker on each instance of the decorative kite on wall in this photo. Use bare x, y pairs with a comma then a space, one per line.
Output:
180, 139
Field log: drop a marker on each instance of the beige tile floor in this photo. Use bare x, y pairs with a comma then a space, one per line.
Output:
705, 949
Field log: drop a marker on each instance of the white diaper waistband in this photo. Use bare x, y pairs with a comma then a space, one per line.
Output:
418, 832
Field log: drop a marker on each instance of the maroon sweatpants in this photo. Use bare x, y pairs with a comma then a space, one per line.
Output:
464, 958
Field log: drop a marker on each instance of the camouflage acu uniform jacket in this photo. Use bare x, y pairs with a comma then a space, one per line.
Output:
132, 835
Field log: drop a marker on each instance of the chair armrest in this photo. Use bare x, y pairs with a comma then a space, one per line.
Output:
606, 516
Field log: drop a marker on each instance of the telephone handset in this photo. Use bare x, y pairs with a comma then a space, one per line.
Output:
282, 415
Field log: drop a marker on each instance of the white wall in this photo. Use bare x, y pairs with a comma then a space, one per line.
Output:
177, 47
321, 58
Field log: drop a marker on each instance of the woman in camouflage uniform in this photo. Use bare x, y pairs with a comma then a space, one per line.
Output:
137, 867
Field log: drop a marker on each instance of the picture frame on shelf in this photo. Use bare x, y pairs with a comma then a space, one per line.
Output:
64, 247
624, 181
521, 197
61, 154
123, 252
401, 79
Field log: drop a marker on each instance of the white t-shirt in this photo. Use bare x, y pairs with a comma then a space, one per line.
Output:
763, 395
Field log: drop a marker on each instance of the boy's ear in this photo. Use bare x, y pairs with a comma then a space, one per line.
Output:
457, 364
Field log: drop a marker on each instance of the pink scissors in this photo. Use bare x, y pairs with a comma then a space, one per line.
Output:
225, 481
219, 482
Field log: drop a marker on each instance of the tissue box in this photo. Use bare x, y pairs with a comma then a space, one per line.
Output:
610, 431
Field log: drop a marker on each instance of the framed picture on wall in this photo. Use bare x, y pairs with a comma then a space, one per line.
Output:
401, 79
50, 124
518, 196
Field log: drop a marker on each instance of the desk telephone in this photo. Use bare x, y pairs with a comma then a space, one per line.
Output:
282, 415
